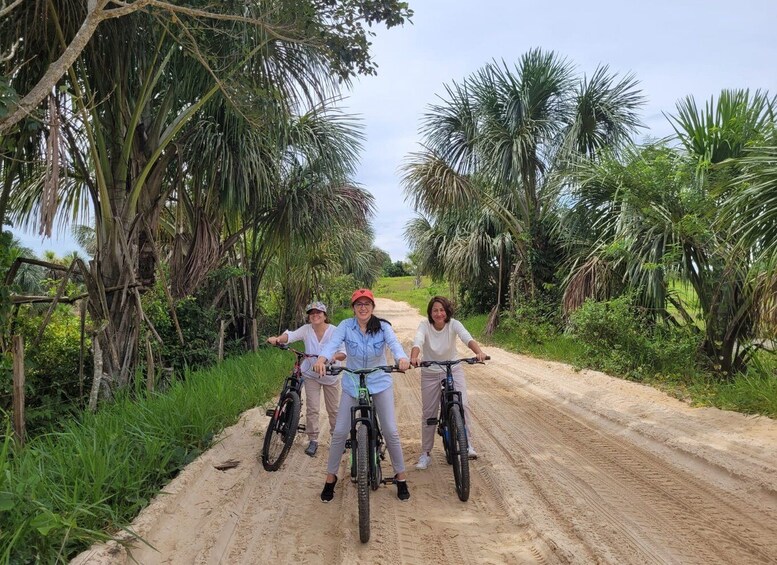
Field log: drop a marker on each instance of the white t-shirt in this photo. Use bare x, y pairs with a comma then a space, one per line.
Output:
440, 345
313, 346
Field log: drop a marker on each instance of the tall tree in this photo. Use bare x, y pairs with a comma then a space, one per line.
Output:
129, 110
501, 138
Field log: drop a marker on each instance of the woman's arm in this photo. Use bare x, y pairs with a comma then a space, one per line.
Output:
400, 357
414, 355
276, 339
330, 348
475, 347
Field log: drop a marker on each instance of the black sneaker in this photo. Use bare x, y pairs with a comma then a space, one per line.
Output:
402, 492
329, 491
312, 447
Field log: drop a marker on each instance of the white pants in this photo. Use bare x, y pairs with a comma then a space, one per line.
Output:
430, 402
384, 403
313, 405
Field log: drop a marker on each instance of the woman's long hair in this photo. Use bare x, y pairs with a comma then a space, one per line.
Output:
373, 324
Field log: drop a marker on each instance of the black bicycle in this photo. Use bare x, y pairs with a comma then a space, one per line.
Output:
366, 442
284, 418
451, 425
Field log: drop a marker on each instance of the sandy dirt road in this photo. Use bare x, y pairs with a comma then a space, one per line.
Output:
574, 467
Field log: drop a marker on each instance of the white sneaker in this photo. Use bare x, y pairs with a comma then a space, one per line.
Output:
471, 453
423, 461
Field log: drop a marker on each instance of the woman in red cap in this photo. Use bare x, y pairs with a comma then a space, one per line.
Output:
366, 338
315, 334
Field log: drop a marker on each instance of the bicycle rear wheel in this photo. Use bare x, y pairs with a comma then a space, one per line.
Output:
459, 455
363, 481
281, 431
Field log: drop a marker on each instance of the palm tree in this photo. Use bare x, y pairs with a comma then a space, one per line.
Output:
658, 210
502, 138
129, 114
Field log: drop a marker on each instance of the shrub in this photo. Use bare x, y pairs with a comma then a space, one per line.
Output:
198, 326
618, 339
531, 322
52, 386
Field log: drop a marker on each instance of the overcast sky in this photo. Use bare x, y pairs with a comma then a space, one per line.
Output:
674, 48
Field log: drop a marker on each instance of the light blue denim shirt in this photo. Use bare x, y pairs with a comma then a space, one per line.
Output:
364, 351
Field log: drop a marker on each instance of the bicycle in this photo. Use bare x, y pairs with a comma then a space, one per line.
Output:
366, 440
451, 425
284, 418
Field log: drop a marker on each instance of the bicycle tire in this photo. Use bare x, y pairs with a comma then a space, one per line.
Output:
281, 431
459, 454
445, 434
363, 482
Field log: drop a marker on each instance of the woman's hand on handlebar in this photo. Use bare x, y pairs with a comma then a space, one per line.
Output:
481, 357
320, 366
403, 364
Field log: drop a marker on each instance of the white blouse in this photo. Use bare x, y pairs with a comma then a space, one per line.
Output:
440, 345
313, 346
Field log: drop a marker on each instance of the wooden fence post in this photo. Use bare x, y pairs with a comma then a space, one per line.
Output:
221, 340
255, 334
150, 370
17, 352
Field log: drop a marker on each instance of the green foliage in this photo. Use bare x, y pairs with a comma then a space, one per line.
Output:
754, 392
417, 293
395, 269
198, 325
6, 259
532, 322
66, 489
338, 290
52, 387
618, 339
8, 96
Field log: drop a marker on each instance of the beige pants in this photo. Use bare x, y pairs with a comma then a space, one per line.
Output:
313, 390
430, 402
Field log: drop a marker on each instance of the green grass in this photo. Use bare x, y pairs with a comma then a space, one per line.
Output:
66, 489
403, 289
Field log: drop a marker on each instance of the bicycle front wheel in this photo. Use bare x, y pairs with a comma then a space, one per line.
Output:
363, 481
281, 431
459, 455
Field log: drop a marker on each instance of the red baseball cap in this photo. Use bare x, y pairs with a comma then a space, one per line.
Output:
362, 293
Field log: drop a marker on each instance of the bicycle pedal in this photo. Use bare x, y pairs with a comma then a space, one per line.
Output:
270, 412
301, 428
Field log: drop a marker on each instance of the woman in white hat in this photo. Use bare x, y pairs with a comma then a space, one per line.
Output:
315, 334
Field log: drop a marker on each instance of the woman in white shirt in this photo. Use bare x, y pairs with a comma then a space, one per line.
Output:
315, 334
436, 339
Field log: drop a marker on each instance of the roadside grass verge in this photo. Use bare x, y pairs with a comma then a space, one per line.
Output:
67, 489
668, 370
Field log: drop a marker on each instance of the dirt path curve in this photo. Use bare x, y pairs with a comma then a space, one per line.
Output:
575, 467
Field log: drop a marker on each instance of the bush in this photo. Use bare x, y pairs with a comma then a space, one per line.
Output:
532, 322
618, 339
52, 386
198, 326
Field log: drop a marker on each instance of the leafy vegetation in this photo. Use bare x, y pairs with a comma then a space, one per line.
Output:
609, 336
71, 487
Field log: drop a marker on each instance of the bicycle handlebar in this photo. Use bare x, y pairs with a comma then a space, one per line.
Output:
300, 354
332, 370
468, 360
